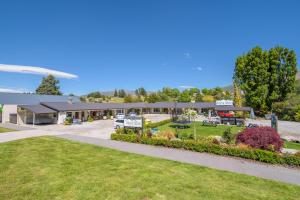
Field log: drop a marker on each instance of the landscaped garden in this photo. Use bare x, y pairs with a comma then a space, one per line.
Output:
200, 129
3, 130
259, 143
51, 168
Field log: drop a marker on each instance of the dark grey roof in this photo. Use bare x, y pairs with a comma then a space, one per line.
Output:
38, 109
32, 99
65, 106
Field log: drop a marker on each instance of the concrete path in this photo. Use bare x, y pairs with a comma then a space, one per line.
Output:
17, 135
15, 127
242, 166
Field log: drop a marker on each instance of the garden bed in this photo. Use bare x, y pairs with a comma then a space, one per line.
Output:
210, 147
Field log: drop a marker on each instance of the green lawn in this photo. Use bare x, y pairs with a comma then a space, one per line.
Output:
292, 145
50, 168
3, 130
201, 130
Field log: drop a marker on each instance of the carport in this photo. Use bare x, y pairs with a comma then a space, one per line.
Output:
36, 114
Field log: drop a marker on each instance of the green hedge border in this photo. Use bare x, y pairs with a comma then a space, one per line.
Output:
199, 146
156, 124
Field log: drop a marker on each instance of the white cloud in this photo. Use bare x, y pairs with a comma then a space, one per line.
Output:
199, 68
187, 55
186, 86
35, 70
9, 90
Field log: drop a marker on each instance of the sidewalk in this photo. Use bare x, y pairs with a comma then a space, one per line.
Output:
242, 166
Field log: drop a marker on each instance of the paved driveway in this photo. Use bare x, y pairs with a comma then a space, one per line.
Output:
97, 129
285, 128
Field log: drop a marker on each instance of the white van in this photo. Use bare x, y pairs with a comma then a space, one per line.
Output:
118, 123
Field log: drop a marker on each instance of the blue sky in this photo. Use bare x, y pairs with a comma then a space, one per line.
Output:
127, 44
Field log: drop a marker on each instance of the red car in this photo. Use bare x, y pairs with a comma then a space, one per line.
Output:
225, 114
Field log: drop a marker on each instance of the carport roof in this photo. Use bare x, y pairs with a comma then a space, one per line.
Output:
38, 109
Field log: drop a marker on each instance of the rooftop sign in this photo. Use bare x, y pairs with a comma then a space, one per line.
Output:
224, 103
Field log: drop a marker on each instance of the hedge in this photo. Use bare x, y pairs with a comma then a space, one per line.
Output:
156, 124
227, 150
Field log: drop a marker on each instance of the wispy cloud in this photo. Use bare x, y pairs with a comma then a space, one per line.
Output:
187, 55
199, 68
35, 70
186, 86
10, 90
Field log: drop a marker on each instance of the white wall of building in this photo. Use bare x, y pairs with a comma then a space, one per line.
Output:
7, 110
61, 117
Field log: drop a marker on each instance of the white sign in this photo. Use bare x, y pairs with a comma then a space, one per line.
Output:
224, 103
133, 122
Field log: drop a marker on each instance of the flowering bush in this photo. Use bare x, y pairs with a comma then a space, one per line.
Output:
261, 138
166, 134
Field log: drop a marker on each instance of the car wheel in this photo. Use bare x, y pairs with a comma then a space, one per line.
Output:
117, 127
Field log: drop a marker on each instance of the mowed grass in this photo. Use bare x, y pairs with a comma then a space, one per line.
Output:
4, 130
292, 145
201, 130
51, 168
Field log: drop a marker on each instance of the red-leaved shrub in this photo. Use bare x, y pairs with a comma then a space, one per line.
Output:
261, 138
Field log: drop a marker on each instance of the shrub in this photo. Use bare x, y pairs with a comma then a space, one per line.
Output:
261, 138
90, 119
227, 150
228, 136
126, 131
156, 124
68, 121
297, 154
167, 134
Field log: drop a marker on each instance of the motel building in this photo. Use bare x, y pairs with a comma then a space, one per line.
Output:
34, 109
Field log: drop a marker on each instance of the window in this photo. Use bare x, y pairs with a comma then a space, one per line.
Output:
156, 110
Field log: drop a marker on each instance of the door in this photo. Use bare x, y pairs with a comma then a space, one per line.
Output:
13, 118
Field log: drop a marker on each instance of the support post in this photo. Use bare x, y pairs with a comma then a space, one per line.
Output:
33, 120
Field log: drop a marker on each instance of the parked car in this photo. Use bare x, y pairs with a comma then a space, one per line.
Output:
120, 116
132, 114
118, 123
225, 114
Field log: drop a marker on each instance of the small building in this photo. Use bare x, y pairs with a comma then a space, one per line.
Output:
50, 109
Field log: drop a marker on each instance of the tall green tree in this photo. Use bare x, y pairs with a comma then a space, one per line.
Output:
283, 70
141, 92
122, 93
266, 77
49, 86
116, 93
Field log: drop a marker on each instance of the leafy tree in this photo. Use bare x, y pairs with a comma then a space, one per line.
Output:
283, 70
49, 86
208, 98
185, 96
96, 94
128, 98
152, 98
199, 98
237, 96
297, 90
266, 77
206, 91
252, 76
